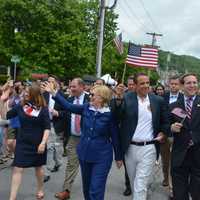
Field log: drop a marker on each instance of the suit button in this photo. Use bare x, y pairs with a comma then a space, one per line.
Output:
88, 138
91, 129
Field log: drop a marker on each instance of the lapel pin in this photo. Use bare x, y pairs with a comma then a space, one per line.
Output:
198, 105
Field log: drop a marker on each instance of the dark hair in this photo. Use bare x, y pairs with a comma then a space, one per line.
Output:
53, 76
79, 80
136, 76
175, 77
159, 85
182, 81
131, 78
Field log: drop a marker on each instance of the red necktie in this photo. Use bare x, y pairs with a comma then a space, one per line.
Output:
77, 120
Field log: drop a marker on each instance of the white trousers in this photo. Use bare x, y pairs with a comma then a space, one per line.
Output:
140, 161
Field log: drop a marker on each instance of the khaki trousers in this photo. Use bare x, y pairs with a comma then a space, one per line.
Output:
165, 151
72, 165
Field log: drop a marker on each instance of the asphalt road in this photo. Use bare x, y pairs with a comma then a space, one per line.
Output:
114, 189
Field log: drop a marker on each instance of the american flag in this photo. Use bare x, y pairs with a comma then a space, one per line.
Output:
180, 113
119, 44
141, 56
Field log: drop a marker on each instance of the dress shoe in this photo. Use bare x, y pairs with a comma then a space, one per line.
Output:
63, 195
46, 178
56, 168
171, 197
127, 192
165, 183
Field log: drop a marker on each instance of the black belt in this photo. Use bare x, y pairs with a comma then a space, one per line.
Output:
143, 143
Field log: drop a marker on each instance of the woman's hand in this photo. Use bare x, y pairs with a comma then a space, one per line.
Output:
41, 148
48, 87
119, 163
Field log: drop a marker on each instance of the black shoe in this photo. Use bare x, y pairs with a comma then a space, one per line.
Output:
56, 168
171, 197
64, 153
127, 192
46, 178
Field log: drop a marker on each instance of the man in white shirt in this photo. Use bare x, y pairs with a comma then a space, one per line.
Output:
143, 122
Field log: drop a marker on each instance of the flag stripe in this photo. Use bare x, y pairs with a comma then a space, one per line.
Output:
119, 44
142, 56
142, 61
141, 64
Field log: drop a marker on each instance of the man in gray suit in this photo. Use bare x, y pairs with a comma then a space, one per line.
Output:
143, 119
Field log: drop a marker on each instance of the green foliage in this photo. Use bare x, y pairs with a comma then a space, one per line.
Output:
180, 63
57, 35
60, 37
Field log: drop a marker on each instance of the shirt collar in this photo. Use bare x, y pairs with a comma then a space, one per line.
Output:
173, 95
186, 98
146, 99
101, 110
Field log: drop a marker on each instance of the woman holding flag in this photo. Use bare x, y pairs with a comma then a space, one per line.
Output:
32, 138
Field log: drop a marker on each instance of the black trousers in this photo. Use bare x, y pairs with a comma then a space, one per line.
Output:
127, 181
186, 178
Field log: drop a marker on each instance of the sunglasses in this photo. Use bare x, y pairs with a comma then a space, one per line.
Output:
91, 94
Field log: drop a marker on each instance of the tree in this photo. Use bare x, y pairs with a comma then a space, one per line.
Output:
57, 36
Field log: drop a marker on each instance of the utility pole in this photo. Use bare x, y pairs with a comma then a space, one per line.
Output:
100, 32
154, 37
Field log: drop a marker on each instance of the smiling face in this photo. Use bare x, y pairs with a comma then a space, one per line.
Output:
160, 91
100, 96
95, 99
142, 85
190, 85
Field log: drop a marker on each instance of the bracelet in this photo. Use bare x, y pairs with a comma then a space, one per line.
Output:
43, 143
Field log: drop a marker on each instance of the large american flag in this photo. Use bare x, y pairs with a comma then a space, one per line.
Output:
119, 44
141, 56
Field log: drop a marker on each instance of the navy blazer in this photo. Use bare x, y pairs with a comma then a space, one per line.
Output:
99, 132
59, 123
190, 129
127, 114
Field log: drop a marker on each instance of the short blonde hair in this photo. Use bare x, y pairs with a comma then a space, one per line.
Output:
104, 92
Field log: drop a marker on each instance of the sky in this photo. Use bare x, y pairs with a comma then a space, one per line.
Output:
177, 20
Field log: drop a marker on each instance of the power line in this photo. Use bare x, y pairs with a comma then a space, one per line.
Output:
149, 16
134, 16
152, 21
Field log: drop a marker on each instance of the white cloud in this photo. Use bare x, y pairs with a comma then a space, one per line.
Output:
177, 20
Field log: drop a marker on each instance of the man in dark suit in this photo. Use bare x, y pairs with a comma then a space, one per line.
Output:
78, 96
143, 121
185, 166
170, 97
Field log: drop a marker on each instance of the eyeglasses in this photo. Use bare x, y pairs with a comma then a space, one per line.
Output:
91, 94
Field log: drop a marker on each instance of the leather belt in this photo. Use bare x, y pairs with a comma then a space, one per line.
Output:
143, 143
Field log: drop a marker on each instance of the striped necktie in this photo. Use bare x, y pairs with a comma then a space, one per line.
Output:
188, 108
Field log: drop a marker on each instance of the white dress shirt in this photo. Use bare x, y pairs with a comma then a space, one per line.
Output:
81, 100
144, 129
